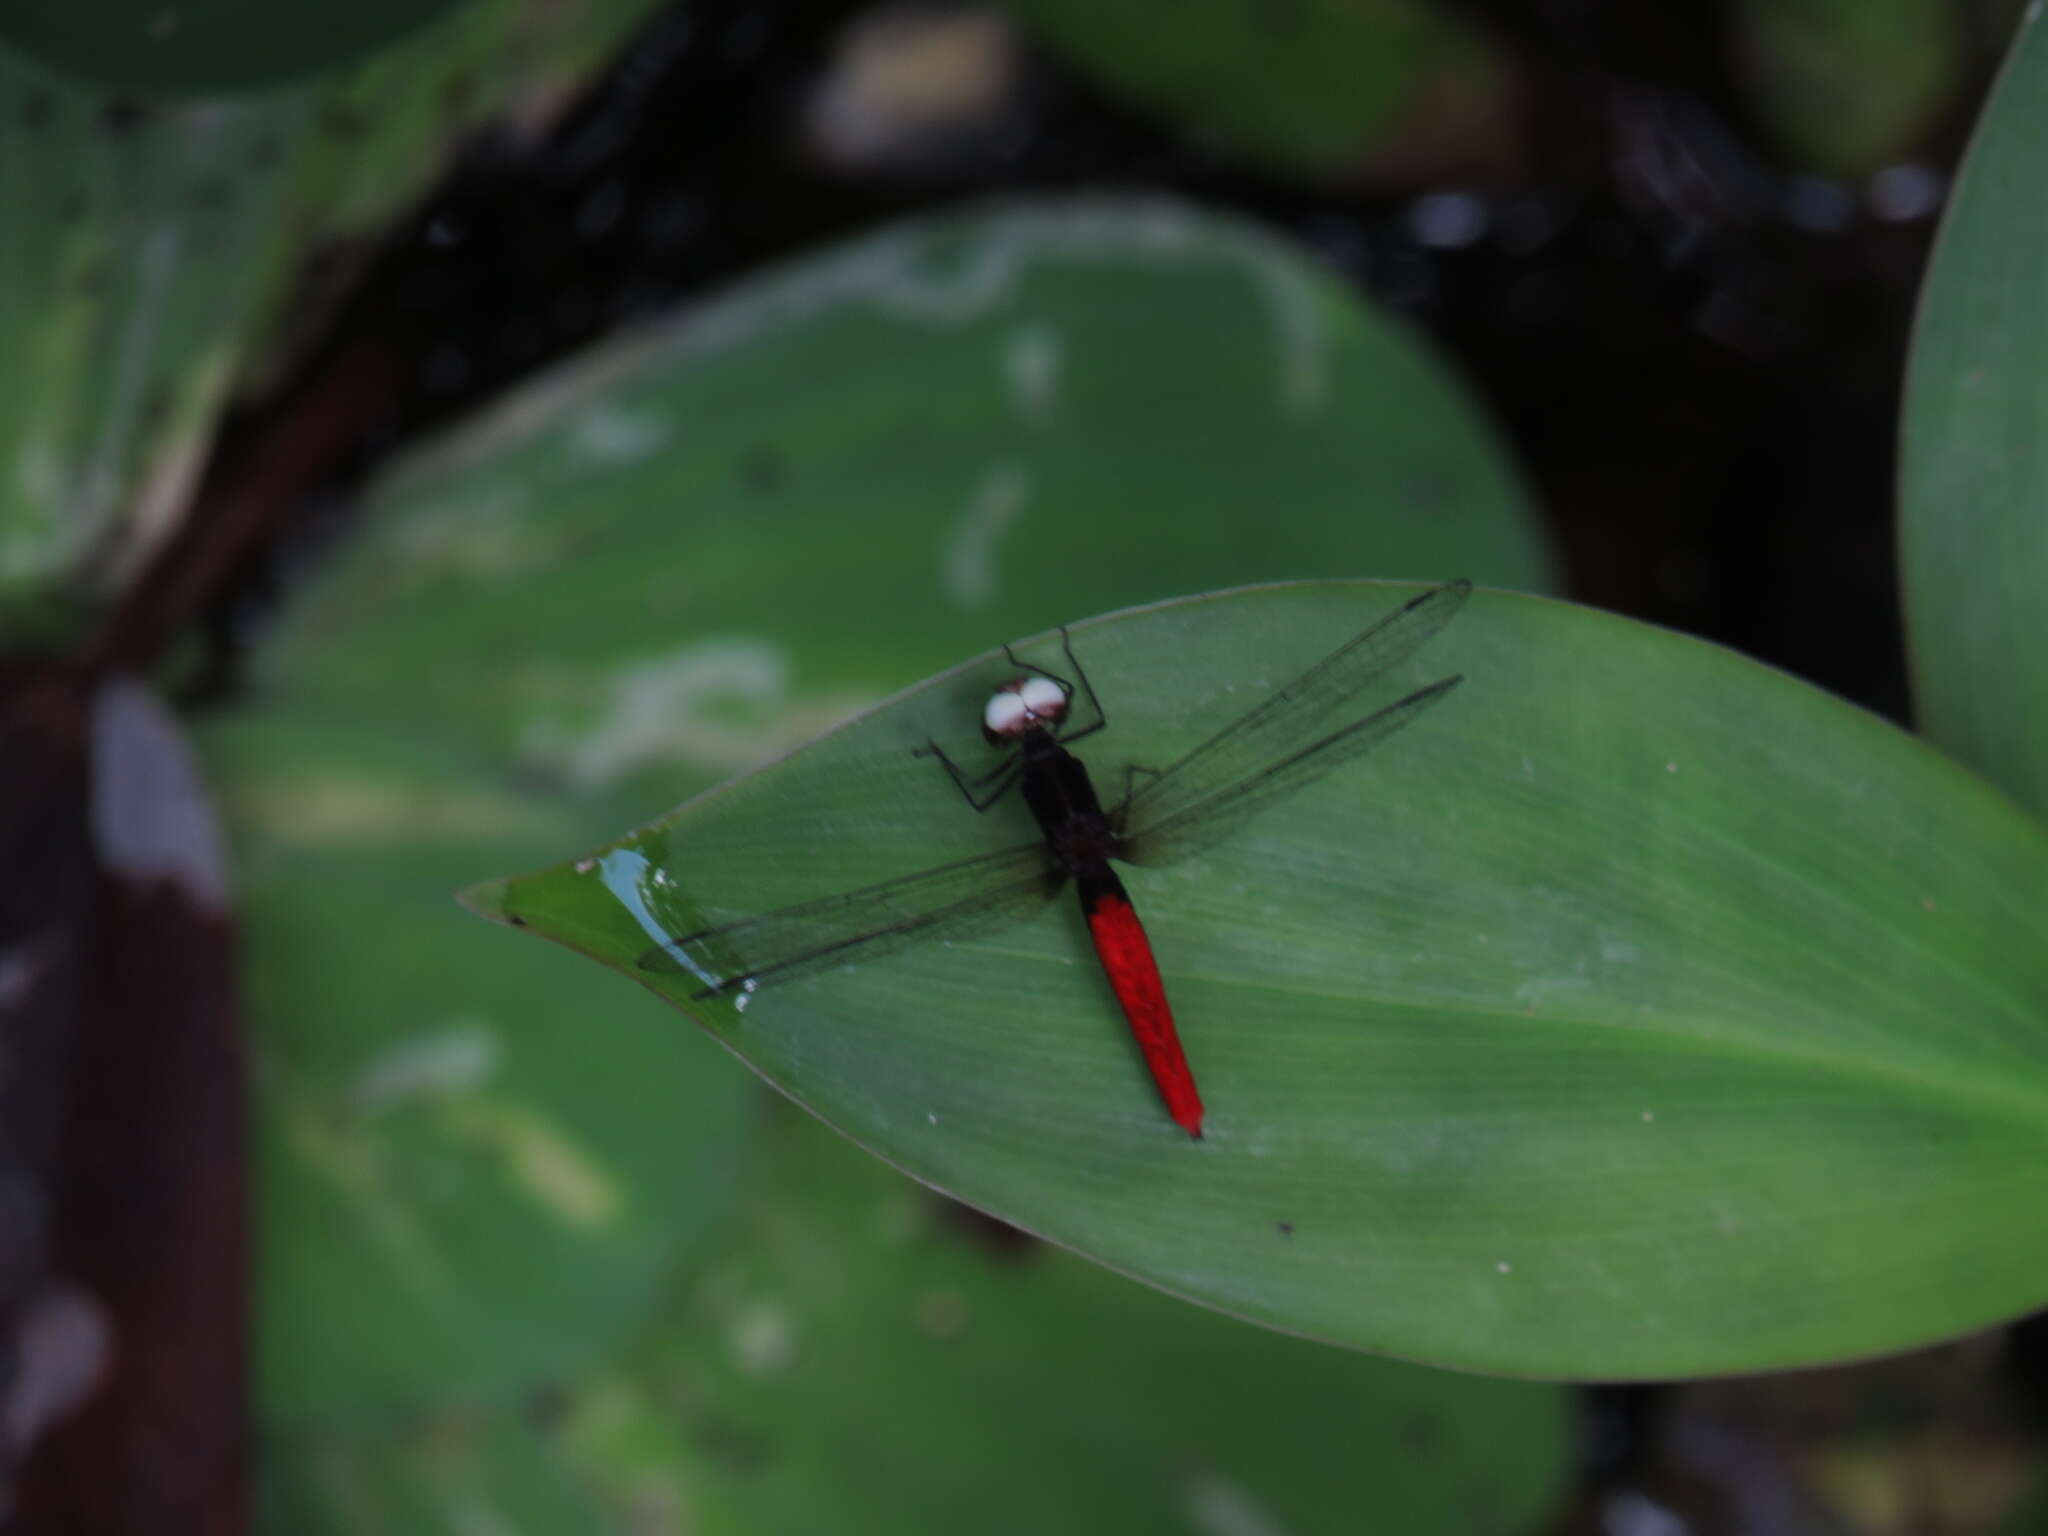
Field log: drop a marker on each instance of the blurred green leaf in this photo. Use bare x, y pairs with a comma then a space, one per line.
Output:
1974, 470
667, 561
420, 1472
859, 1360
199, 47
673, 560
2028, 1515
134, 240
699, 547
463, 1186
383, 129
857, 1356
1846, 86
151, 251
1308, 86
1638, 1012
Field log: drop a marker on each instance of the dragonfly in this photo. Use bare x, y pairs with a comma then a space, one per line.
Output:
1294, 737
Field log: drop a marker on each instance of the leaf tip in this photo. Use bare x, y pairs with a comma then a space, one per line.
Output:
487, 899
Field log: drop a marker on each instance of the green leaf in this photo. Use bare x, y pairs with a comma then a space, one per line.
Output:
425, 1472
1309, 86
699, 547
150, 253
860, 1359
138, 241
463, 1187
1974, 471
853, 1356
197, 47
1846, 86
676, 558
384, 129
2028, 1514
1639, 1011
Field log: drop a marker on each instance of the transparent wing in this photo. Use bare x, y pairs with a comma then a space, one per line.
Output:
1296, 719
973, 896
1194, 827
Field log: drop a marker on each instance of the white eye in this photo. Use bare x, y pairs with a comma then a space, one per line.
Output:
1043, 697
1005, 714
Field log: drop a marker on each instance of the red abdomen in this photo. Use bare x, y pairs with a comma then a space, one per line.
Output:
1126, 955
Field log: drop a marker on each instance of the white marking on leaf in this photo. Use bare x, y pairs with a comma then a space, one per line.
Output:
457, 1059
762, 1341
967, 574
539, 1159
612, 434
1032, 362
1218, 1507
721, 704
897, 274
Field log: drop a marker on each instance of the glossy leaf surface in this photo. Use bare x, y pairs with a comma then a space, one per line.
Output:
1315, 89
853, 1355
1847, 86
1639, 1012
190, 47
699, 547
672, 559
459, 1191
1974, 473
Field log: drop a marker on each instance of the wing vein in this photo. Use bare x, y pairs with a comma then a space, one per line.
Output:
1275, 728
974, 895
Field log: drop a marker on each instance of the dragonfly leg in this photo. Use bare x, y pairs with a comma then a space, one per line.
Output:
983, 802
1101, 716
960, 776
1131, 772
1003, 775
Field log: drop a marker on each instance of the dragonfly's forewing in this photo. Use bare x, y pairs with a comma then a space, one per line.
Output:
1196, 826
1285, 743
1288, 741
972, 896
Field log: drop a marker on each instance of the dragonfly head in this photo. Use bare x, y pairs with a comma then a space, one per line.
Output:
1023, 705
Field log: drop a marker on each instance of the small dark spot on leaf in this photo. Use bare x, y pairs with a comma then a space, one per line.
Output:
457, 94
761, 469
990, 1233
546, 1406
515, 919
343, 120
1282, 16
1422, 1434
156, 406
1286, 1228
536, 778
1427, 490
37, 108
212, 194
744, 1451
123, 117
